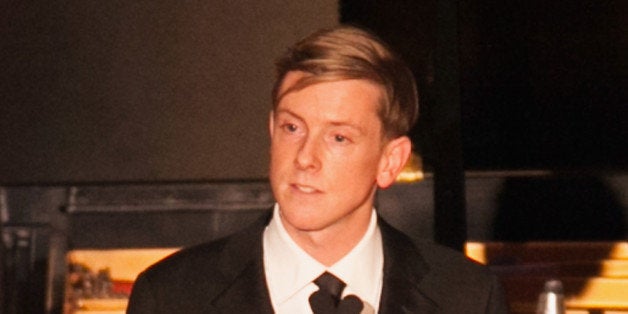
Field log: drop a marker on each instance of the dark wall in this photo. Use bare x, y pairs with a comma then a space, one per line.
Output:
142, 90
542, 83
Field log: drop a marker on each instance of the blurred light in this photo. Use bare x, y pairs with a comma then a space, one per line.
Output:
413, 170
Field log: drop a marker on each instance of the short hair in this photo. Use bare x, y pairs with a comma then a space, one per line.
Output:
348, 52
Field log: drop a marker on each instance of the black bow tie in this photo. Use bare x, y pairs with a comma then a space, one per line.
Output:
327, 299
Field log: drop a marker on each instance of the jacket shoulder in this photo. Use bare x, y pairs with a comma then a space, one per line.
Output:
447, 261
200, 272
451, 273
450, 280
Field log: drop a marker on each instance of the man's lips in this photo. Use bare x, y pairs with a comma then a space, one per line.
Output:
304, 188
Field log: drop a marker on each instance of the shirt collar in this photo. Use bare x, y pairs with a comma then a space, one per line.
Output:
289, 268
362, 268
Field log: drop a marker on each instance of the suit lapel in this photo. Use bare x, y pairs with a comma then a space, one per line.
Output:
247, 294
245, 290
404, 288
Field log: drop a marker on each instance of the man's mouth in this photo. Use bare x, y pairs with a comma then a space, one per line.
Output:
304, 188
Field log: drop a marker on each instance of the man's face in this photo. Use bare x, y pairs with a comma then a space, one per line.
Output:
327, 149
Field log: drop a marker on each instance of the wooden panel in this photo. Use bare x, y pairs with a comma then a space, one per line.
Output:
594, 274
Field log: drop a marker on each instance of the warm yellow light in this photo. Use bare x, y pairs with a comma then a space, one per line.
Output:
413, 170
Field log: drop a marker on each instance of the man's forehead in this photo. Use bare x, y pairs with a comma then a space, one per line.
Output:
290, 83
296, 80
291, 78
352, 104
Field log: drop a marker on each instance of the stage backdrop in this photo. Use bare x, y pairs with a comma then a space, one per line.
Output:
102, 91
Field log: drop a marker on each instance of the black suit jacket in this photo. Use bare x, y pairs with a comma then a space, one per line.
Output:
227, 276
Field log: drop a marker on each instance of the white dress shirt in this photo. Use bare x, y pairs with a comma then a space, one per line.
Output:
290, 270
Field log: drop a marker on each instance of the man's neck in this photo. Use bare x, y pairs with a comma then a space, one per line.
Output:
332, 243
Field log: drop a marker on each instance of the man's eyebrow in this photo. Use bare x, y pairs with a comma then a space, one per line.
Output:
287, 112
348, 125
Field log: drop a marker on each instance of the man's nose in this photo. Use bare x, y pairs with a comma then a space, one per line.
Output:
308, 154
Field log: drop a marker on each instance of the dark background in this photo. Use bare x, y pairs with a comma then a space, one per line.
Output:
162, 91
542, 83
119, 91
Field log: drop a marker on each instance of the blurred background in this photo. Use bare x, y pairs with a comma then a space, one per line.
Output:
147, 91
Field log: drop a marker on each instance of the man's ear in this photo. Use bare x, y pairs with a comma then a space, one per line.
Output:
394, 157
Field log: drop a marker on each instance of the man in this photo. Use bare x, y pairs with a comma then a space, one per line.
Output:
342, 105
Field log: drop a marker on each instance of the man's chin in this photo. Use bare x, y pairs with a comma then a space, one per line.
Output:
302, 223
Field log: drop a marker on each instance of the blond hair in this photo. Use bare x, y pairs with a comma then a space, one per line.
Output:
347, 52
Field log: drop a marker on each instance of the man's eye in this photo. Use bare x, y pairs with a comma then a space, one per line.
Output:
290, 127
340, 138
